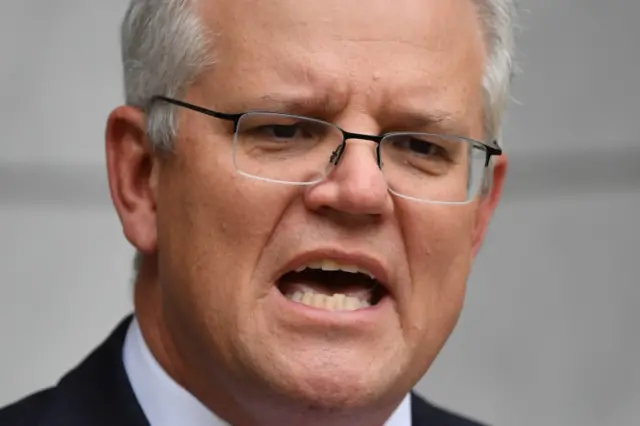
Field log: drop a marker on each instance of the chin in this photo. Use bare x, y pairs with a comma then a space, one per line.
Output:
327, 381
333, 393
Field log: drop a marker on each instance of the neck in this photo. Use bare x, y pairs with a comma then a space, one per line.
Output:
242, 404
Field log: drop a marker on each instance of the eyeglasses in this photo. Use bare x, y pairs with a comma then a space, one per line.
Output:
296, 150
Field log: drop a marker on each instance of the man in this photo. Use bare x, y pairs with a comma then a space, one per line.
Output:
307, 185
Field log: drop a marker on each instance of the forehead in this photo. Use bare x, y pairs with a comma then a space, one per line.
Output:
374, 53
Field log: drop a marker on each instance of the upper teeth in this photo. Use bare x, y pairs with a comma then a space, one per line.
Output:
330, 265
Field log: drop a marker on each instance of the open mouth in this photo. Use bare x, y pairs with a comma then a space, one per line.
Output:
330, 286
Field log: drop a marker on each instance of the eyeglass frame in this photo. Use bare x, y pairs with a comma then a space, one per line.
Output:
491, 149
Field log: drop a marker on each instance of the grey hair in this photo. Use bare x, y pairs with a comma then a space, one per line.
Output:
165, 47
499, 18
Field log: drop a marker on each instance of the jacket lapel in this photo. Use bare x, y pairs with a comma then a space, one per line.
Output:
424, 413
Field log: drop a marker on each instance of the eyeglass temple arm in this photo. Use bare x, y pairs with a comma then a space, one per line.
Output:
216, 114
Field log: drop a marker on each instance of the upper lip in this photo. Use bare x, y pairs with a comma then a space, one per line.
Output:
360, 259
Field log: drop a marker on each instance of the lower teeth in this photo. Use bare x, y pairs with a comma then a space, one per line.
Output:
337, 302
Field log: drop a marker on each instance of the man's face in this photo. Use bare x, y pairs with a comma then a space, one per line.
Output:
225, 241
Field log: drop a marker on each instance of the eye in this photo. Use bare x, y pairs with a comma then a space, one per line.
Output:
423, 147
282, 131
420, 145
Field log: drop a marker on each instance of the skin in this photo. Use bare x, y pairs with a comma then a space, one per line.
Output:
214, 242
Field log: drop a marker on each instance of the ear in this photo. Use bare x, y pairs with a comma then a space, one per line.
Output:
489, 202
133, 176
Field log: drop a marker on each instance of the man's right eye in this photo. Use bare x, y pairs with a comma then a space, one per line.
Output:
282, 131
287, 132
278, 131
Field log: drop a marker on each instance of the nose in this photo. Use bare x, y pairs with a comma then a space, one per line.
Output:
356, 185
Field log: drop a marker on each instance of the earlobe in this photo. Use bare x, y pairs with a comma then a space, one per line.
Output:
489, 202
132, 170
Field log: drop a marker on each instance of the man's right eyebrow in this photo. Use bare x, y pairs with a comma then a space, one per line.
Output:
294, 104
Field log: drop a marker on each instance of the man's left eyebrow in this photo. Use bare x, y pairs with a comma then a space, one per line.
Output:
441, 120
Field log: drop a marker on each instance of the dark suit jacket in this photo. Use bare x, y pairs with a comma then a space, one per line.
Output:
98, 393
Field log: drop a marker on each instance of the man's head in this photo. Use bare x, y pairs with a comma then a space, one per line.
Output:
222, 251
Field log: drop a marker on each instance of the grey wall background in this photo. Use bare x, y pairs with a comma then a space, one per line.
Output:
549, 334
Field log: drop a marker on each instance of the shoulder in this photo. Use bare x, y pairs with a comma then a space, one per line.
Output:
423, 413
28, 411
96, 392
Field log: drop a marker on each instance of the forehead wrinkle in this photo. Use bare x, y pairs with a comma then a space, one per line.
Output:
286, 87
426, 45
299, 89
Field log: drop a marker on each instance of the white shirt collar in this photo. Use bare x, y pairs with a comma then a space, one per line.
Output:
165, 403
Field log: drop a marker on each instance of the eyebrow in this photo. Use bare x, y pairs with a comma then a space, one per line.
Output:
298, 104
438, 120
433, 117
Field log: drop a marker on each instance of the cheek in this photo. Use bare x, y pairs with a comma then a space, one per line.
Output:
439, 251
208, 248
439, 241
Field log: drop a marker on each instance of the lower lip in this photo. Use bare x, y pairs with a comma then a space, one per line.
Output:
360, 317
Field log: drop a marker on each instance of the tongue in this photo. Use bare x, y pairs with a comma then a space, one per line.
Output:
328, 283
